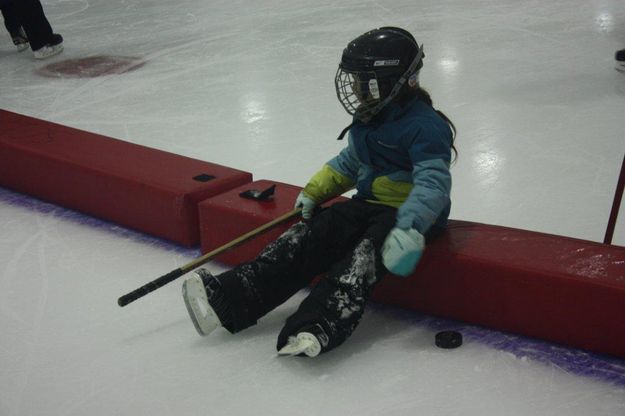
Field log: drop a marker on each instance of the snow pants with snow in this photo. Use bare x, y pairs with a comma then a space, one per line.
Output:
341, 243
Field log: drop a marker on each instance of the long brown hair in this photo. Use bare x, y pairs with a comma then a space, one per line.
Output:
409, 93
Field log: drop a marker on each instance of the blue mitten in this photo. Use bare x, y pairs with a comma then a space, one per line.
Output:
306, 204
402, 251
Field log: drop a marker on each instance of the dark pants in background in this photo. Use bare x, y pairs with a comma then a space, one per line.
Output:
11, 21
28, 14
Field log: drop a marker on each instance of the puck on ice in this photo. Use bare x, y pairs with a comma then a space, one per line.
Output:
448, 339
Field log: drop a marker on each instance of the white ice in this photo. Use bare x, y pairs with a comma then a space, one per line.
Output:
539, 109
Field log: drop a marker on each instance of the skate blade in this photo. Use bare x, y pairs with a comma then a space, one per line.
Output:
296, 347
201, 313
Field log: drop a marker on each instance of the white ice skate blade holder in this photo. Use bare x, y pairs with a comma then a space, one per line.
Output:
48, 51
201, 313
304, 343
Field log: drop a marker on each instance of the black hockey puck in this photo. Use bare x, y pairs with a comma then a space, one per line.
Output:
448, 339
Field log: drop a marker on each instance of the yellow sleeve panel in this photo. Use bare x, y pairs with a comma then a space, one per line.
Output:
327, 183
389, 192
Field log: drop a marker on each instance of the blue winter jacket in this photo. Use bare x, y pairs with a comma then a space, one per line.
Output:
401, 159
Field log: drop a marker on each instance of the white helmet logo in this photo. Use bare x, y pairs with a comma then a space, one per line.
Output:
388, 62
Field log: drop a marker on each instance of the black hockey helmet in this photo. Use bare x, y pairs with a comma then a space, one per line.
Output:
373, 69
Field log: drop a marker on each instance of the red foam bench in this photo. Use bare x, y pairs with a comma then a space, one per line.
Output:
555, 288
546, 286
135, 186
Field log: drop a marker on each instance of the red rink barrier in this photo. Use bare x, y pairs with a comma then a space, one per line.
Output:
555, 288
135, 186
559, 289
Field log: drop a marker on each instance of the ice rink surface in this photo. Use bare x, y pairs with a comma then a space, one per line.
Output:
539, 109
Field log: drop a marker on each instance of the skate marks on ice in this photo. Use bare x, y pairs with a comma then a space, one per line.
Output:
522, 349
569, 360
64, 214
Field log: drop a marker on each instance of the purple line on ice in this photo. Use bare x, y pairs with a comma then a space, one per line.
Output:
575, 361
37, 205
582, 363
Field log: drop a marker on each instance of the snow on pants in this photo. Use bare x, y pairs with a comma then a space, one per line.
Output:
342, 243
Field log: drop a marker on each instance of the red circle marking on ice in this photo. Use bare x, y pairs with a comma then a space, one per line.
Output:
91, 67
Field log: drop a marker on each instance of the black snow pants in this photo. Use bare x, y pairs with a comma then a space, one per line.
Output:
30, 15
11, 21
341, 243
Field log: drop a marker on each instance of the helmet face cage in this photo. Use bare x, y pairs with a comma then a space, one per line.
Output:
363, 94
358, 92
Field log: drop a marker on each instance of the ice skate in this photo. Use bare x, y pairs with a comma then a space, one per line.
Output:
54, 47
620, 60
201, 312
303, 343
20, 40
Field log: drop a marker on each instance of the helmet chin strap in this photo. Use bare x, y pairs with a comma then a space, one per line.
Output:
344, 131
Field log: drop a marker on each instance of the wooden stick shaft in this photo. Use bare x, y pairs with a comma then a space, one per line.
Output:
616, 205
174, 274
206, 257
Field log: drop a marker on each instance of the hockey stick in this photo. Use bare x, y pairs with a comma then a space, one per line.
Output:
616, 205
174, 274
